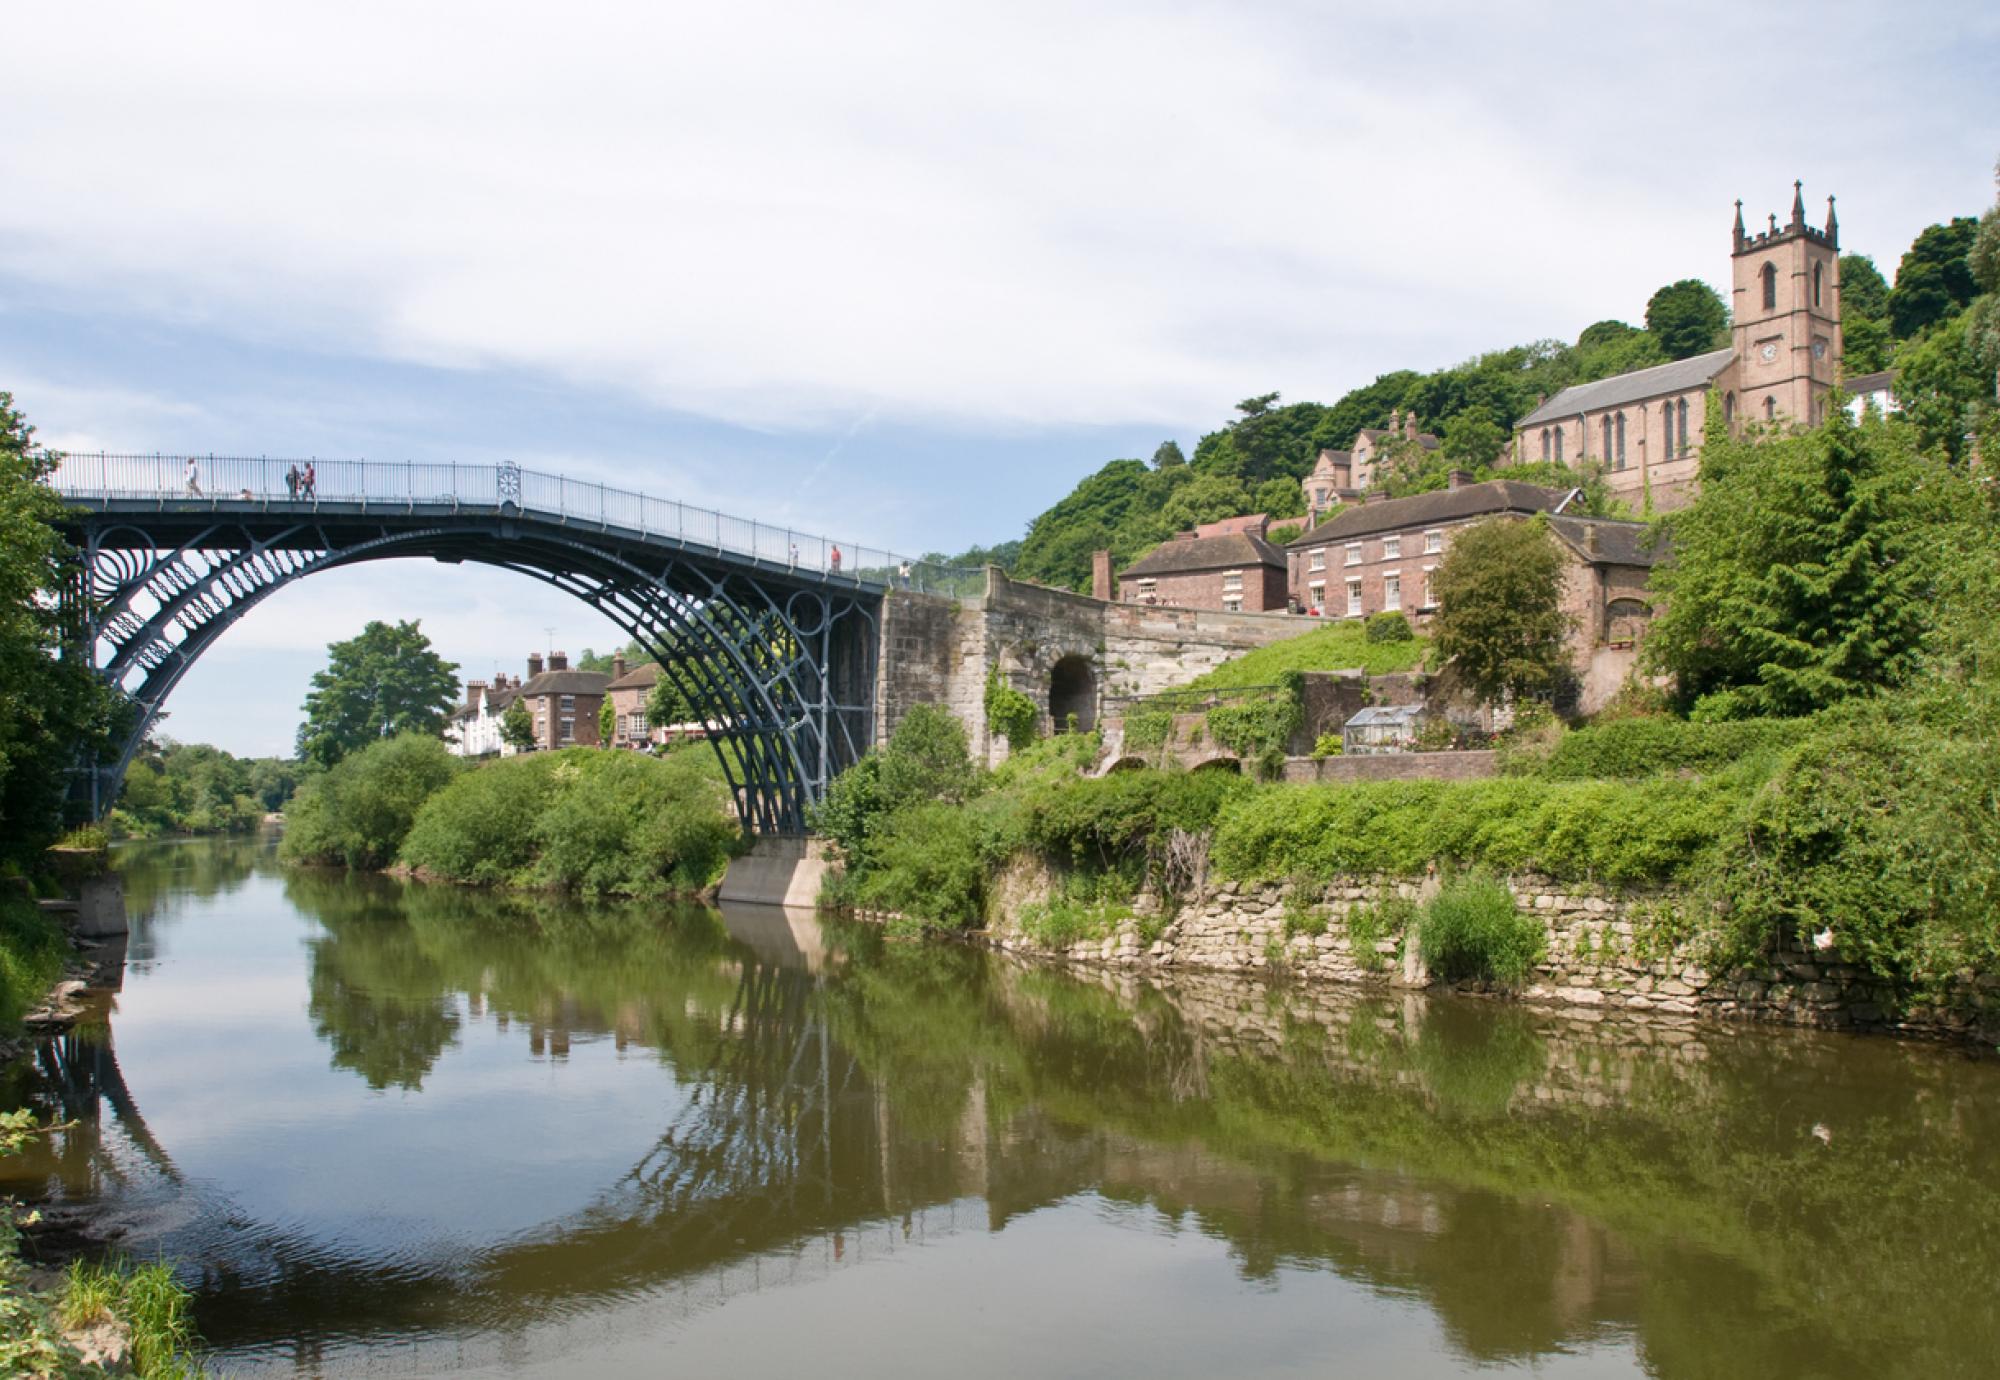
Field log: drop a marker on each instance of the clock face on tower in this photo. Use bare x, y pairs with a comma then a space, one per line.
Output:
1768, 353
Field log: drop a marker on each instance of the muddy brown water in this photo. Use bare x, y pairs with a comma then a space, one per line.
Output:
391, 1129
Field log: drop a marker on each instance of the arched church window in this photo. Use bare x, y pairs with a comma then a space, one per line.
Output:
1559, 445
1770, 276
1683, 448
1819, 274
1621, 440
1729, 409
1770, 409
1667, 429
1545, 443
1606, 453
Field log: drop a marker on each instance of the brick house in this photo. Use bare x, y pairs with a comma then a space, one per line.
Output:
1643, 429
1341, 476
629, 691
1226, 565
562, 703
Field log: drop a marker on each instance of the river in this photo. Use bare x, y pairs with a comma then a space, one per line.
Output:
392, 1129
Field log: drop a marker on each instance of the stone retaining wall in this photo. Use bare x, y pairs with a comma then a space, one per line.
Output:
1597, 956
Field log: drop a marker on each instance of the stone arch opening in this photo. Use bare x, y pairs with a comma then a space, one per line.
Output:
1073, 690
1227, 764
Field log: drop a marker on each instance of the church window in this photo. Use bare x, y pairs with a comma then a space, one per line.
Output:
1621, 440
1819, 272
1606, 454
1729, 409
1682, 448
1667, 429
1559, 445
1545, 443
1770, 276
1770, 409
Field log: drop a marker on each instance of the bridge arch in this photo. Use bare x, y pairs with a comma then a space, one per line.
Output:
1073, 690
777, 652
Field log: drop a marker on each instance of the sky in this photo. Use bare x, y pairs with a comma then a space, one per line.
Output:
904, 272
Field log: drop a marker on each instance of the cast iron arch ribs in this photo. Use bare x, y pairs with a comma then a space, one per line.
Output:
781, 667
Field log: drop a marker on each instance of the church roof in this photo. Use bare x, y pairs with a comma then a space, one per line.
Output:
1185, 555
1678, 377
1423, 510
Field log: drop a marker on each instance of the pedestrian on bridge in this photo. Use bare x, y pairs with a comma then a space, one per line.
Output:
192, 473
309, 482
836, 560
292, 481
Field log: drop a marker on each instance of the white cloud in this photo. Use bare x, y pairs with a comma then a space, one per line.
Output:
1002, 215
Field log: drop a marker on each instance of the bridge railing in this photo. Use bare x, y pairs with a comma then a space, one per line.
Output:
217, 480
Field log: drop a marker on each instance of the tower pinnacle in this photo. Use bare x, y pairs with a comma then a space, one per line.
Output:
1832, 225
1798, 206
1739, 225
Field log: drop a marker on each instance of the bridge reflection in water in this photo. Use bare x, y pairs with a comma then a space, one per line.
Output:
1686, 1201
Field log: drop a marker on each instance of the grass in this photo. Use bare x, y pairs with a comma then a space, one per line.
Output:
148, 1300
1336, 647
32, 952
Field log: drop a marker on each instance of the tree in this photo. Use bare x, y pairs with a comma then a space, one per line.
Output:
53, 709
517, 727
1168, 456
667, 705
1934, 281
1686, 317
1864, 293
607, 723
1806, 571
1949, 379
1205, 498
1500, 623
381, 683
1472, 440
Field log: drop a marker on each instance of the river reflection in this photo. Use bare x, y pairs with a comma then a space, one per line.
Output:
410, 1129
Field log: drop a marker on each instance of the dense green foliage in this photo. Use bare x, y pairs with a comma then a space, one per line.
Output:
51, 708
1500, 624
1336, 647
382, 682
1808, 571
358, 813
517, 726
33, 951
581, 820
192, 788
1389, 626
1687, 318
1009, 713
1934, 280
1473, 929
1630, 748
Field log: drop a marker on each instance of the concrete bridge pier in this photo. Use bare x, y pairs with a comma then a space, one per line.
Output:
779, 870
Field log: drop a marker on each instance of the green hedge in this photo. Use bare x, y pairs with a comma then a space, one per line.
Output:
1610, 832
1633, 748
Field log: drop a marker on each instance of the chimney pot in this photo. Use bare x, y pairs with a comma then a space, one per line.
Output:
558, 661
534, 664
618, 667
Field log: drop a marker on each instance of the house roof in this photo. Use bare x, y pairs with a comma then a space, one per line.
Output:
1618, 543
1869, 383
638, 678
1184, 555
1376, 433
1424, 510
566, 683
1697, 371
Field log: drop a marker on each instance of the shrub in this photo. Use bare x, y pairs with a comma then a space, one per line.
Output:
1388, 626
1369, 924
1329, 745
1636, 747
580, 820
928, 863
1010, 713
1473, 930
32, 954
358, 813
1250, 728
1146, 729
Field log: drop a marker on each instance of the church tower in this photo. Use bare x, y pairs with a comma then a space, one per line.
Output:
1787, 312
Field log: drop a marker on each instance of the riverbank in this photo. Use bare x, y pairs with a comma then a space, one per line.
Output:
1790, 871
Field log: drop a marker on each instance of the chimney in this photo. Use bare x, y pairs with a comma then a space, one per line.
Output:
1103, 585
1410, 425
558, 661
1590, 542
618, 667
534, 664
1395, 420
1377, 496
1458, 479
472, 689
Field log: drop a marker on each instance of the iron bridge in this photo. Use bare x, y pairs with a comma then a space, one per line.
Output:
771, 633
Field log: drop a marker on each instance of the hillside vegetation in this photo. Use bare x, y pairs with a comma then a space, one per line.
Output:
1335, 647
